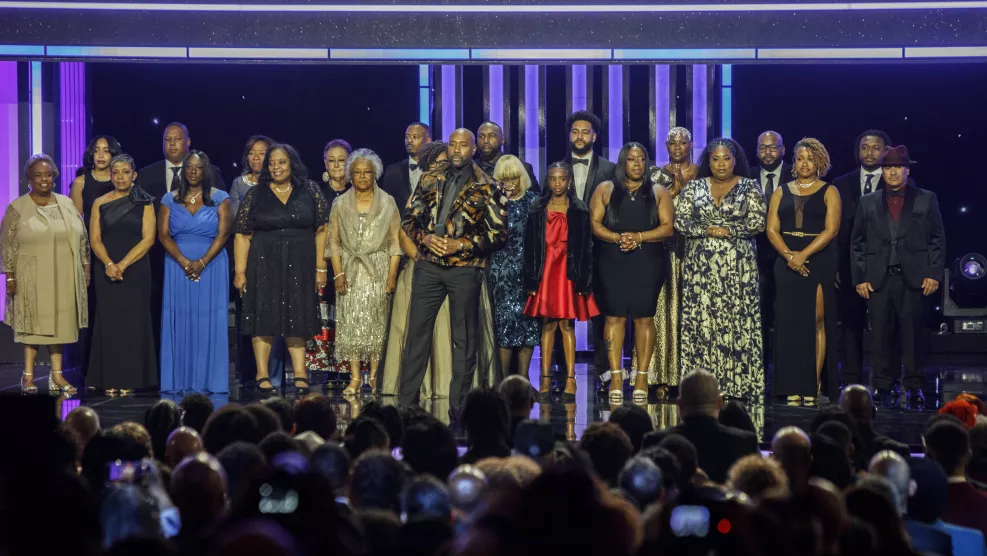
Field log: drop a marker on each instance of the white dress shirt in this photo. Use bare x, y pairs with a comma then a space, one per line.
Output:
414, 175
580, 172
778, 180
170, 174
873, 184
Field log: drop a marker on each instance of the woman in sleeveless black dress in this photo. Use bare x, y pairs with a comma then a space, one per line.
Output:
803, 219
630, 217
122, 230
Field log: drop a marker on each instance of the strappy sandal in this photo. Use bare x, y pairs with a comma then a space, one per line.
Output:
638, 395
25, 379
354, 387
567, 395
266, 391
616, 396
545, 395
54, 387
373, 385
302, 390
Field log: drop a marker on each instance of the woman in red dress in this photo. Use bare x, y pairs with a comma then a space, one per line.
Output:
558, 271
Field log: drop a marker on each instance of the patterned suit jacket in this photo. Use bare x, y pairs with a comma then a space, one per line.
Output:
478, 217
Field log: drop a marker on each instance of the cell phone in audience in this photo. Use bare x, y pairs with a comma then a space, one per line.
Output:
690, 521
121, 471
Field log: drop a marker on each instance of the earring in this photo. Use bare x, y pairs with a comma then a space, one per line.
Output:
325, 177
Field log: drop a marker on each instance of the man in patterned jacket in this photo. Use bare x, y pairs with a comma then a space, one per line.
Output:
457, 219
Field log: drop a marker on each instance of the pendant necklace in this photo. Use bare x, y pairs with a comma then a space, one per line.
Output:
191, 200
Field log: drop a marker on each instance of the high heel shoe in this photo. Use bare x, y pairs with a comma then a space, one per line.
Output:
372, 380
25, 379
616, 395
545, 395
54, 387
354, 386
566, 394
302, 390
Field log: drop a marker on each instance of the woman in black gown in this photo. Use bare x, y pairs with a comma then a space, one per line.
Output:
630, 217
280, 226
803, 219
122, 230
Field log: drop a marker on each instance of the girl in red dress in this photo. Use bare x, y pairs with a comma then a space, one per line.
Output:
558, 271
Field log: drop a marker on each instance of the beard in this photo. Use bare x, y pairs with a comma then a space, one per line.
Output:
580, 152
774, 166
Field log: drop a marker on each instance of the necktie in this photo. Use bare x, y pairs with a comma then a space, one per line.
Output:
583, 161
413, 167
770, 187
174, 176
869, 184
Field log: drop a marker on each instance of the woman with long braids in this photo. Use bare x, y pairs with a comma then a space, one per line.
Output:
280, 237
719, 214
558, 271
193, 223
630, 218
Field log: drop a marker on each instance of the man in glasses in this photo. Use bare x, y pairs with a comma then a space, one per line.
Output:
772, 173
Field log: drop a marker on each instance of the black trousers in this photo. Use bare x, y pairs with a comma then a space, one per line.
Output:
853, 320
429, 287
896, 308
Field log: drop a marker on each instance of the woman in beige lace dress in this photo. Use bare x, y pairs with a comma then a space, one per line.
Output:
44, 252
364, 250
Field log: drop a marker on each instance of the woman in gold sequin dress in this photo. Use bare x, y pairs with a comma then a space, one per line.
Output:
365, 252
665, 370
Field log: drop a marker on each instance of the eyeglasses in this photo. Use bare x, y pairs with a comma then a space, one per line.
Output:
768, 148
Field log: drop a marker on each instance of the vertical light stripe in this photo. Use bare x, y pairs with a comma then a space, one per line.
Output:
615, 115
663, 109
424, 95
9, 157
72, 118
449, 101
699, 116
578, 87
531, 118
37, 121
726, 101
495, 94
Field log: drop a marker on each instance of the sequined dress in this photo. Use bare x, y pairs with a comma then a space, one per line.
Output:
365, 242
281, 299
511, 328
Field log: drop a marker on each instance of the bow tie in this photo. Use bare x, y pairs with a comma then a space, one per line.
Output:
584, 161
412, 167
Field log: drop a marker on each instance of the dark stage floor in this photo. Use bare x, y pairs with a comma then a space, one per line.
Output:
568, 419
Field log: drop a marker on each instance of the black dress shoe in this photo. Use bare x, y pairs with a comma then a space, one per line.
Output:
915, 399
884, 397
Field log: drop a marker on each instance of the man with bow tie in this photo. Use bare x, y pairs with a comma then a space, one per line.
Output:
401, 178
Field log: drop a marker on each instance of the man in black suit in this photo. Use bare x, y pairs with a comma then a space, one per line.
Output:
489, 149
718, 447
772, 173
898, 251
858, 403
401, 178
589, 171
852, 308
159, 178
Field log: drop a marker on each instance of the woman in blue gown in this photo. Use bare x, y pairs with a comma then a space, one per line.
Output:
194, 222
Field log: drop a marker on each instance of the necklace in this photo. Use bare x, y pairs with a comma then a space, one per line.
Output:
280, 191
191, 200
633, 193
368, 196
93, 174
806, 185
248, 181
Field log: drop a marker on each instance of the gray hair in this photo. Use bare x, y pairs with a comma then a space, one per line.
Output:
123, 158
679, 132
368, 155
40, 157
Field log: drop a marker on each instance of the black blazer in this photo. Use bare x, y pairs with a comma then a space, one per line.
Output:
600, 170
849, 187
766, 253
718, 447
397, 183
152, 179
579, 249
921, 239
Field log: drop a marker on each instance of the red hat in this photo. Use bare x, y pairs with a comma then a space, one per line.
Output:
895, 156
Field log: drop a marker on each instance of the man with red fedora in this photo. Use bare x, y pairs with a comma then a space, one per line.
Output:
898, 255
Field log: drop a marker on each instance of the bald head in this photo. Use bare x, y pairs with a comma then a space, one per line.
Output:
699, 394
894, 468
462, 147
858, 402
198, 489
182, 443
466, 486
770, 149
793, 449
84, 421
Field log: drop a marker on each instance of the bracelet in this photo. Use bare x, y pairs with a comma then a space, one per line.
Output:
338, 275
9, 279
617, 237
640, 237
321, 270
202, 263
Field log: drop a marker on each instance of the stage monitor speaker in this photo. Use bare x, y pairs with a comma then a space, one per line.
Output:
965, 294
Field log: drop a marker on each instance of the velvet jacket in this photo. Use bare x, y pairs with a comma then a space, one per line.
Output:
478, 217
579, 249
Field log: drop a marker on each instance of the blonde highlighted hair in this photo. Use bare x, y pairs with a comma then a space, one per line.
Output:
510, 167
818, 153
